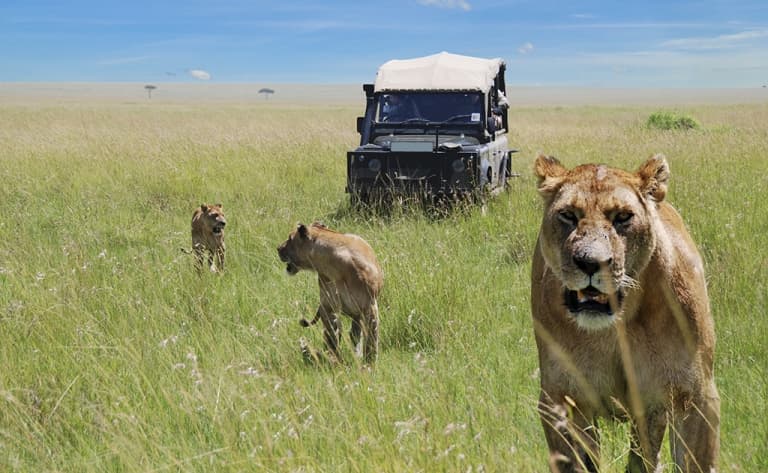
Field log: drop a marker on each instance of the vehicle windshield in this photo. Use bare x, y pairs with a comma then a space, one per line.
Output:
430, 107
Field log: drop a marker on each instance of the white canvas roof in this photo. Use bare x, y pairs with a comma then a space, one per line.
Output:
443, 71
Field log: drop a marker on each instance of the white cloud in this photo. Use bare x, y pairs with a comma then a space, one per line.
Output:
462, 4
717, 42
200, 74
525, 48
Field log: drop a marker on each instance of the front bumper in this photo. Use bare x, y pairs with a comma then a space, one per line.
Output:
436, 173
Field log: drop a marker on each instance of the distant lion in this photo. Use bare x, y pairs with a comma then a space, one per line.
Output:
208, 224
350, 280
622, 319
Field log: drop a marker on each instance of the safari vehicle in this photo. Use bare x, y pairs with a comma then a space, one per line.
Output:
434, 126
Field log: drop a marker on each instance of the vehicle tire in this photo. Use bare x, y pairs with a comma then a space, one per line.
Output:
359, 199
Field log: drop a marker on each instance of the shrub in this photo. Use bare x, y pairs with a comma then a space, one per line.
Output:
672, 121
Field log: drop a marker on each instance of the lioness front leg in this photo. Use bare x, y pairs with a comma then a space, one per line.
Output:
220, 257
199, 249
573, 440
695, 439
645, 447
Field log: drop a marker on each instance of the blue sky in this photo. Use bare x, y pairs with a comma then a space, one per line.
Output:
709, 43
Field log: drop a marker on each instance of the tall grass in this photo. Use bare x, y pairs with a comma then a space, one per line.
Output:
116, 356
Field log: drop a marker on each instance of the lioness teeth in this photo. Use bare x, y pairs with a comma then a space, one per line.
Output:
584, 298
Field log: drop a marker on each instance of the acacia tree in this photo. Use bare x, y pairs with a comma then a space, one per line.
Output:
150, 88
267, 92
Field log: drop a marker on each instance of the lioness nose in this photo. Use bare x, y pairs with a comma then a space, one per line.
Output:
589, 265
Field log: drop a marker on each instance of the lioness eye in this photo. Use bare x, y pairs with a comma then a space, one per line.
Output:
622, 217
567, 217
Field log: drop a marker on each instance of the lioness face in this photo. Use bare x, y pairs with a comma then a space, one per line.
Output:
213, 217
596, 236
293, 250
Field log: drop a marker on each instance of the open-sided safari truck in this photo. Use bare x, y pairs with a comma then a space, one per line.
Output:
434, 126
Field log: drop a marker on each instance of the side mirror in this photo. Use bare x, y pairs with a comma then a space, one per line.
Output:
360, 122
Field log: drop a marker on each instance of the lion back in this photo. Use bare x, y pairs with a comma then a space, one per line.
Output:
354, 257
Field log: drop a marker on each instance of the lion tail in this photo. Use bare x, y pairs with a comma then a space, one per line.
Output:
307, 323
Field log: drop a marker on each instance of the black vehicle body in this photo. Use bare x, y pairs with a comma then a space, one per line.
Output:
436, 139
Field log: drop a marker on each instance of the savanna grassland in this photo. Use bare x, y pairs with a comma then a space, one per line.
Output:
116, 356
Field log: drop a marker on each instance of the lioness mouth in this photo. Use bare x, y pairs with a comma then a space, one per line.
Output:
590, 299
218, 228
291, 268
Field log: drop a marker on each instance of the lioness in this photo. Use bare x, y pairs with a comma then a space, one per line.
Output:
350, 280
621, 318
208, 224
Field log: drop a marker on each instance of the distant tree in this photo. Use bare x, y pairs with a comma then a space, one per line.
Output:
267, 92
150, 88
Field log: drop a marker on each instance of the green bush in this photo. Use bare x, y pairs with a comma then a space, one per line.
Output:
672, 121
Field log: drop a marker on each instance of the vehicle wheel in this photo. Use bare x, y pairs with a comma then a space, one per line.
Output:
359, 199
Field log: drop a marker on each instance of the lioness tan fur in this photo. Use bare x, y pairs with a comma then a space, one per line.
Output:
350, 280
622, 319
208, 224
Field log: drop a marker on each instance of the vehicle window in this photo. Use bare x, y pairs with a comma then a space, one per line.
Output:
432, 107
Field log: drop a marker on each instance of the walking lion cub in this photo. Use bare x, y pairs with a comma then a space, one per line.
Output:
350, 280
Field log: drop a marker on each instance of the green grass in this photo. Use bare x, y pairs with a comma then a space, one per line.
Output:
116, 356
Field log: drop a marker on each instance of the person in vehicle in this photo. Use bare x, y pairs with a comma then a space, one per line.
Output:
495, 122
396, 108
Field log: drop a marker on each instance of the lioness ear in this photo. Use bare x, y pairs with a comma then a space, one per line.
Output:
654, 175
303, 231
219, 206
204, 207
550, 173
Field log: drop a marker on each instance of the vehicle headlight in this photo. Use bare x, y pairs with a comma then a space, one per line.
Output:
374, 165
458, 165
